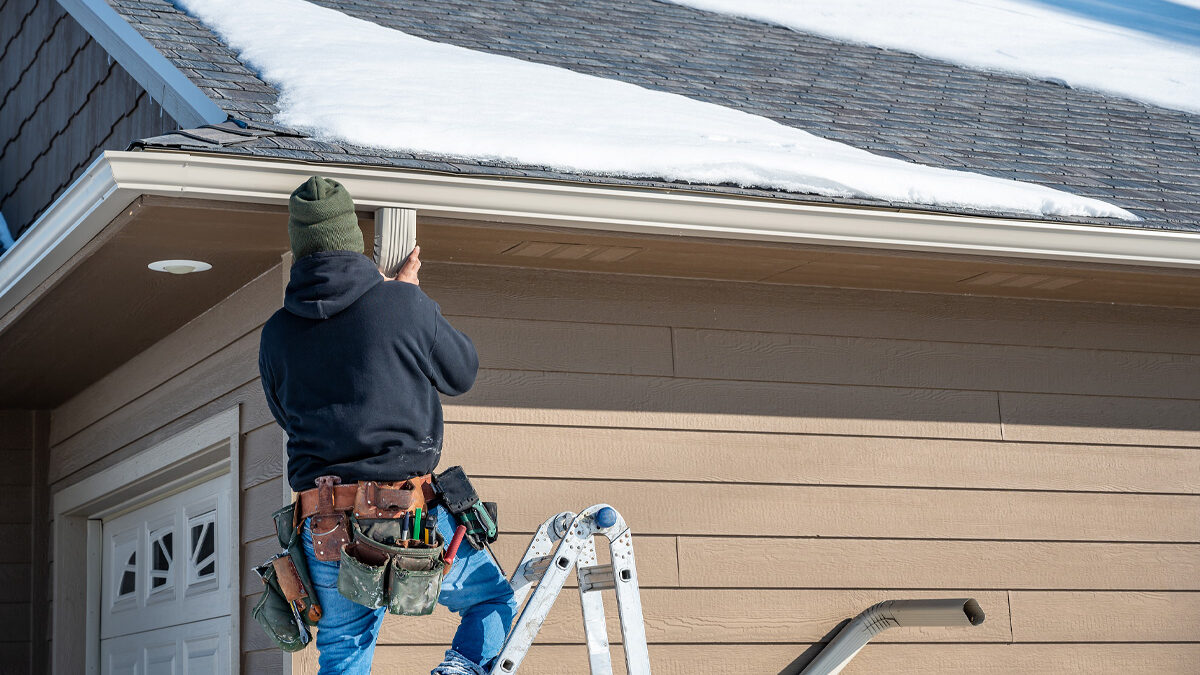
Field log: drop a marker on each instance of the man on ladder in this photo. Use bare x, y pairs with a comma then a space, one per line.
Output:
351, 368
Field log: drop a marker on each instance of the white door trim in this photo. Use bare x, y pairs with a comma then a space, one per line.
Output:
201, 452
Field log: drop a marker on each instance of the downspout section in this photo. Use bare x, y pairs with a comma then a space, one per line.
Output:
889, 614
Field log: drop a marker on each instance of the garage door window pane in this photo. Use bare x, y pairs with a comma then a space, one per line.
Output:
128, 583
162, 560
202, 544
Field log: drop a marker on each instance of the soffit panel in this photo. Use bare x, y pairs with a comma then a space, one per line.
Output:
110, 307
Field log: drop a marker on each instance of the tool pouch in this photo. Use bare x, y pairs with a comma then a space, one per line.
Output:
460, 498
405, 580
288, 605
415, 580
328, 525
274, 614
298, 577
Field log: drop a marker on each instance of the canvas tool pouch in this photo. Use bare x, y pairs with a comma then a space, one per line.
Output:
406, 580
287, 606
274, 613
293, 574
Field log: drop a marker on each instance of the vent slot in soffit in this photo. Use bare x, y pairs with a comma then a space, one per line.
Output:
561, 251
1012, 280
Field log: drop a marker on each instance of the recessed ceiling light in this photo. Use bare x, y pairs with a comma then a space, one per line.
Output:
179, 266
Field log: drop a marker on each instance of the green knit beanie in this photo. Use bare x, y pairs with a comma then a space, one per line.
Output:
321, 218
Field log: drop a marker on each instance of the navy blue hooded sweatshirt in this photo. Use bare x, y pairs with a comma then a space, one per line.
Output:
352, 366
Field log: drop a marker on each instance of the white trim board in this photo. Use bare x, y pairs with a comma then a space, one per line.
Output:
206, 450
165, 83
117, 178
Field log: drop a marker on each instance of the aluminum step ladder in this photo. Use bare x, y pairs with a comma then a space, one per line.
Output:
544, 570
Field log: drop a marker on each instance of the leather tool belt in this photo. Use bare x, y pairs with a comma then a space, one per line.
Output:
329, 504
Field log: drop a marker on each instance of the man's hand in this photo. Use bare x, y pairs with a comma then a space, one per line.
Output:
410, 268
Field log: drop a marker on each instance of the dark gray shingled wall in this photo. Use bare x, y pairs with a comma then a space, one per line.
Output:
62, 101
1137, 156
24, 557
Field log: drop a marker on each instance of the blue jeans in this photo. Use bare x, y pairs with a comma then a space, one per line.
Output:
474, 588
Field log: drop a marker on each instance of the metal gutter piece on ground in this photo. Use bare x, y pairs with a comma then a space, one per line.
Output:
890, 614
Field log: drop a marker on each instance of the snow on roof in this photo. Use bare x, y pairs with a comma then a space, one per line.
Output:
1118, 52
342, 78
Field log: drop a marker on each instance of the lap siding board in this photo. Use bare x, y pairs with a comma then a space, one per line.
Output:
846, 480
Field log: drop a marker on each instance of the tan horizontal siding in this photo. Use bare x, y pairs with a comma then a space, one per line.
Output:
704, 616
233, 366
783, 357
1100, 419
484, 291
569, 346
1093, 616
258, 503
524, 397
262, 454
903, 659
841, 448
669, 455
247, 397
789, 511
266, 662
239, 314
919, 563
254, 552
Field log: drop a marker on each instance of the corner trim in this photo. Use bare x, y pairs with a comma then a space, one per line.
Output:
165, 83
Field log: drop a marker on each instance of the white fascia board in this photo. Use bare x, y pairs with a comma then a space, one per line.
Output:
182, 99
656, 211
116, 178
80, 213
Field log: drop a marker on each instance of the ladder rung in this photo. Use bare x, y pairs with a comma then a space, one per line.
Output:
596, 578
537, 567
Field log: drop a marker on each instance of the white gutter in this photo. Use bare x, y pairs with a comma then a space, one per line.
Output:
116, 178
79, 214
182, 99
890, 614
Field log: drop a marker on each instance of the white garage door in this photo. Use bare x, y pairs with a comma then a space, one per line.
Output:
166, 586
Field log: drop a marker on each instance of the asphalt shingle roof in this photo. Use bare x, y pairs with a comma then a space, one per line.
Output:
1137, 156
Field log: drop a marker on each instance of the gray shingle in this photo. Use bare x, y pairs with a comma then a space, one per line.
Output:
889, 102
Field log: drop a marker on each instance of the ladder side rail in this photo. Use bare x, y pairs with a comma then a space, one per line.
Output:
629, 601
594, 626
537, 556
521, 637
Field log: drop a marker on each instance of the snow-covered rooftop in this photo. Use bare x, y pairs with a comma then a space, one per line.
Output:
1145, 51
351, 80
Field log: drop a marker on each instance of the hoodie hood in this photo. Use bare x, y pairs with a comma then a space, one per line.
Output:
323, 284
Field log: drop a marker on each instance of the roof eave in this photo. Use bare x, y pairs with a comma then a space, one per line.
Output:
117, 178
182, 99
